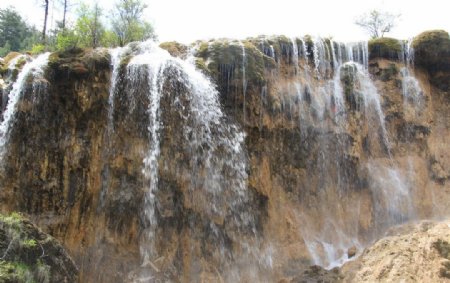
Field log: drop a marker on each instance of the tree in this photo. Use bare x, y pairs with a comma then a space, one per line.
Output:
44, 29
13, 29
65, 7
128, 24
377, 23
89, 27
15, 34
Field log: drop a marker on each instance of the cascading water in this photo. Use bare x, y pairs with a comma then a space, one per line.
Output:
215, 186
324, 100
35, 69
413, 98
195, 165
116, 55
244, 80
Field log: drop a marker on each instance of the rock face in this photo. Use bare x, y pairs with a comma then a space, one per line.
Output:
29, 255
129, 160
412, 253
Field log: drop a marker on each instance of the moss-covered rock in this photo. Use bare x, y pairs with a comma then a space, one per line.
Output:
385, 47
432, 50
175, 49
224, 60
350, 86
79, 62
29, 255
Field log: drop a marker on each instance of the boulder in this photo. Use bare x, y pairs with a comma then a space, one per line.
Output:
385, 47
432, 50
30, 255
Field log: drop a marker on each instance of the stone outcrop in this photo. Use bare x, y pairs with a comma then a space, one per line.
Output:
310, 179
385, 47
30, 255
432, 50
411, 253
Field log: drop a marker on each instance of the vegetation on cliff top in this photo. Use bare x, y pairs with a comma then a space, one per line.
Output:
385, 47
89, 28
224, 59
432, 50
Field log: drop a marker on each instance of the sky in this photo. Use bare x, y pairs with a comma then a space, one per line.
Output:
189, 20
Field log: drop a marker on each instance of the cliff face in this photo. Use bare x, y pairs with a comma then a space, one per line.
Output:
128, 158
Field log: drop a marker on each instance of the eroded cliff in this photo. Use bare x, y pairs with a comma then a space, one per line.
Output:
308, 157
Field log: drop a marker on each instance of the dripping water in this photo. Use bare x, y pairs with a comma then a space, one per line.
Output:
34, 69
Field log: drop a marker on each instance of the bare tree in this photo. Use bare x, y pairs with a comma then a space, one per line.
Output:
377, 23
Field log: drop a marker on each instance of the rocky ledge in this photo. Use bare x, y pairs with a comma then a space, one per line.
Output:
409, 253
29, 255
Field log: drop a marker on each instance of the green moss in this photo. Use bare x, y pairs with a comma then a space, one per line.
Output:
29, 243
16, 272
14, 219
202, 49
223, 60
9, 57
388, 73
3, 70
174, 48
432, 50
385, 47
201, 65
349, 81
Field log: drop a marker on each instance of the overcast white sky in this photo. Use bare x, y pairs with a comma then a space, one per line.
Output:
189, 20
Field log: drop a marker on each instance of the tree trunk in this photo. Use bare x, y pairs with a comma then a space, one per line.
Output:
95, 28
64, 15
44, 30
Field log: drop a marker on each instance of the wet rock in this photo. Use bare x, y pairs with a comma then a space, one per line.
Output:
175, 49
385, 47
318, 274
351, 252
432, 50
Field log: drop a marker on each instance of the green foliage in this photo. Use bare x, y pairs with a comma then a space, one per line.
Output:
66, 40
13, 219
16, 272
5, 49
109, 39
128, 24
42, 272
15, 34
89, 27
29, 243
37, 49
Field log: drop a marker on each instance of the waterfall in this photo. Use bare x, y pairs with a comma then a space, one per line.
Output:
244, 80
323, 104
116, 55
413, 98
216, 186
34, 69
